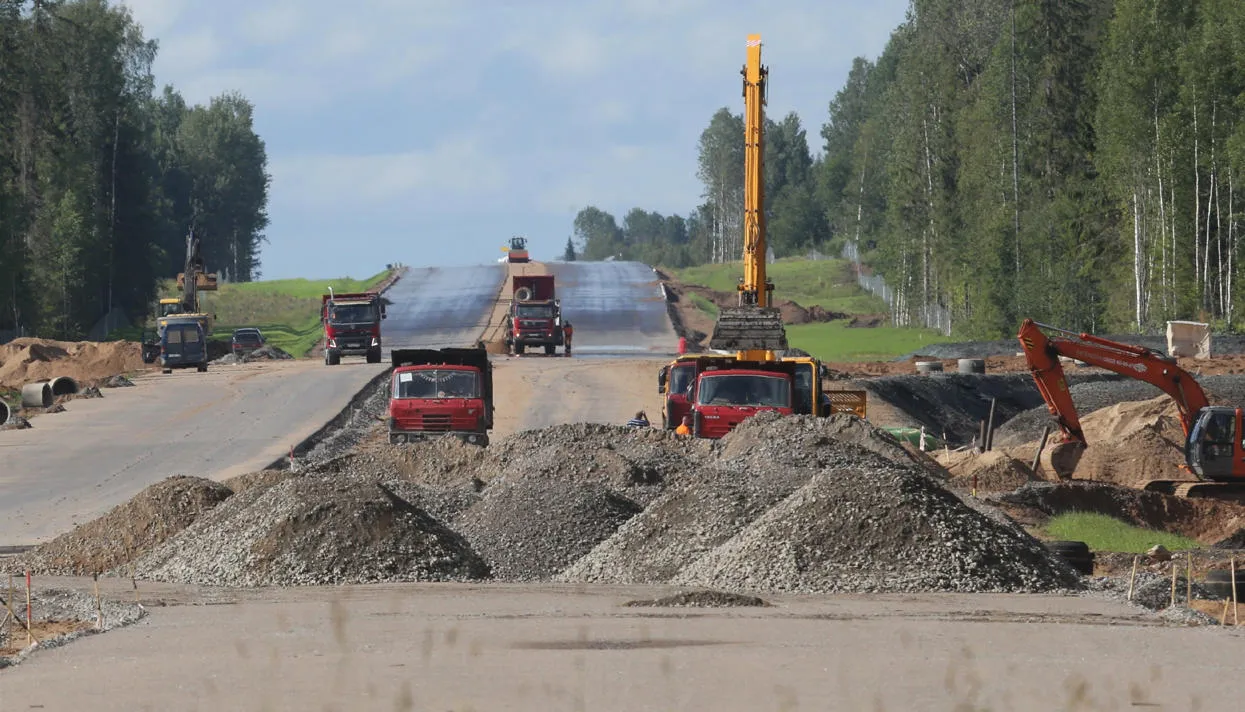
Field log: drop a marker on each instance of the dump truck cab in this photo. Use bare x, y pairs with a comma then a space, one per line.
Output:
437, 393
535, 318
183, 344
724, 395
351, 326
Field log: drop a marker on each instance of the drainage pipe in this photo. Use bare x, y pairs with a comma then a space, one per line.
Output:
63, 386
37, 395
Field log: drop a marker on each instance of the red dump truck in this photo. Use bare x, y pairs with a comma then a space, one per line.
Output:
440, 392
351, 325
535, 317
724, 394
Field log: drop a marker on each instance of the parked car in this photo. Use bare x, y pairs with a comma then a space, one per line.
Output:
246, 340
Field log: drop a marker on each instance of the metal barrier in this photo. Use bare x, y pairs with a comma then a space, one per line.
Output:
855, 402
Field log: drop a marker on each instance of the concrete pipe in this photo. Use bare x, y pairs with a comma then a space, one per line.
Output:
928, 366
4, 412
37, 395
972, 365
64, 386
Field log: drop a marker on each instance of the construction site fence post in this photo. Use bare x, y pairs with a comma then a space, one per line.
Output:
1235, 612
1133, 578
1037, 456
30, 636
990, 426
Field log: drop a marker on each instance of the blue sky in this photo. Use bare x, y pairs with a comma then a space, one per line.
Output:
429, 132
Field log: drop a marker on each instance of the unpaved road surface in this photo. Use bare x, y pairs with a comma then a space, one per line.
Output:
616, 308
73, 466
538, 392
440, 306
517, 647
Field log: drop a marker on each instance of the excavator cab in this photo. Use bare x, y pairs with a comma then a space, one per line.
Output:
1214, 443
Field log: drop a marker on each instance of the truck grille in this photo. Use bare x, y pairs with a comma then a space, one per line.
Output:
437, 421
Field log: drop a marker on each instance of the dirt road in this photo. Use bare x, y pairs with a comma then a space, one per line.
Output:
453, 647
74, 466
536, 392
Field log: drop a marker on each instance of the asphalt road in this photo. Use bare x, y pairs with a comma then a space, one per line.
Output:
440, 306
617, 308
74, 466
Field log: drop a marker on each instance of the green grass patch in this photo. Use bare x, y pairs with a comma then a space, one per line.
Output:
287, 311
829, 284
1103, 533
836, 341
704, 305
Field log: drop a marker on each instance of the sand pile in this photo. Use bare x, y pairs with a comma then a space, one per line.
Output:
27, 360
131, 529
994, 471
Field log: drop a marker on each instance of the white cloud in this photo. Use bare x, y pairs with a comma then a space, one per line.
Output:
273, 24
189, 53
455, 168
655, 177
155, 16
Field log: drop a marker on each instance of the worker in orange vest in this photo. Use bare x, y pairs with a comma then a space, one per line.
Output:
567, 332
685, 428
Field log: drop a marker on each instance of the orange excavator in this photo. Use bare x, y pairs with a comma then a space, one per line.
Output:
1214, 451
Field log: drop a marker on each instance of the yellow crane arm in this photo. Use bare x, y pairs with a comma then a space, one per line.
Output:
754, 288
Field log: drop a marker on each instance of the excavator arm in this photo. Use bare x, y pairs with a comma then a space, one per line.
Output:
754, 328
1043, 352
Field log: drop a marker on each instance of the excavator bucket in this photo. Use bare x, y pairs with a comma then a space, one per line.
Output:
749, 329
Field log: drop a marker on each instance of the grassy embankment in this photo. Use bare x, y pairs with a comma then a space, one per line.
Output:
1103, 533
287, 311
830, 285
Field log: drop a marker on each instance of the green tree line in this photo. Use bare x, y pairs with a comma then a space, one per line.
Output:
1073, 161
101, 177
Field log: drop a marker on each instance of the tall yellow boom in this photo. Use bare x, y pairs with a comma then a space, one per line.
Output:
753, 328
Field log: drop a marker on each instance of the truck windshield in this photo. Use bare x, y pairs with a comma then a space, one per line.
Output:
535, 312
681, 378
353, 314
744, 389
436, 384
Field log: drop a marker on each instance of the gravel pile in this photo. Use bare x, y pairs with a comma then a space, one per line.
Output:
530, 529
314, 530
360, 418
702, 599
117, 381
131, 529
872, 526
65, 605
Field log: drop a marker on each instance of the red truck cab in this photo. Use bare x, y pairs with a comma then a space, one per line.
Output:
535, 318
440, 392
723, 397
351, 325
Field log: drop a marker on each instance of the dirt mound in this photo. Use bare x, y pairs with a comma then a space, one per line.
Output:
994, 471
130, 530
1207, 521
688, 521
702, 599
314, 530
27, 360
873, 526
264, 353
1130, 443
802, 441
531, 529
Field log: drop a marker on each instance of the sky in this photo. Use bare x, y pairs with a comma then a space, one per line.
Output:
429, 132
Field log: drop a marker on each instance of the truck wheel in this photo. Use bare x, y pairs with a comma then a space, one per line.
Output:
332, 358
166, 370
203, 368
518, 349
373, 355
550, 349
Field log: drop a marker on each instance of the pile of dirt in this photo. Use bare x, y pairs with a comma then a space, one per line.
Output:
314, 530
1208, 521
27, 360
702, 599
130, 530
994, 471
268, 352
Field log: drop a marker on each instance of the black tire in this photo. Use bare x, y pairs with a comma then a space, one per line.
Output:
518, 349
332, 357
203, 368
1082, 564
667, 417
373, 355
550, 349
166, 370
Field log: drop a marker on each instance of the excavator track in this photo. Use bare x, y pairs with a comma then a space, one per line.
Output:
1224, 491
749, 329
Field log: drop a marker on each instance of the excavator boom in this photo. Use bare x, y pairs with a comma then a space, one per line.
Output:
753, 326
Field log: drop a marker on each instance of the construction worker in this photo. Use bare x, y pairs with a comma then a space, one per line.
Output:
639, 421
685, 428
567, 332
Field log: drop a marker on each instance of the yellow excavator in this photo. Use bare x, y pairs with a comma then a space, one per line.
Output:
753, 329
184, 308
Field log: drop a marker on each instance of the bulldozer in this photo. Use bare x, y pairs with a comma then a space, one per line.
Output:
753, 329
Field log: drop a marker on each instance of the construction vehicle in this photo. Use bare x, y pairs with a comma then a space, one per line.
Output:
183, 344
753, 330
725, 394
535, 316
351, 325
185, 308
517, 251
1213, 448
436, 393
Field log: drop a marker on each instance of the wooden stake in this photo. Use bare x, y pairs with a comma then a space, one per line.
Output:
30, 637
1132, 579
9, 606
1235, 613
99, 606
990, 427
1041, 446
1223, 619
1188, 579
1173, 603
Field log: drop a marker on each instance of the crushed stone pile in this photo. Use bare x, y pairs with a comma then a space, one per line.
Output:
27, 360
267, 352
131, 529
872, 526
314, 530
702, 599
117, 381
